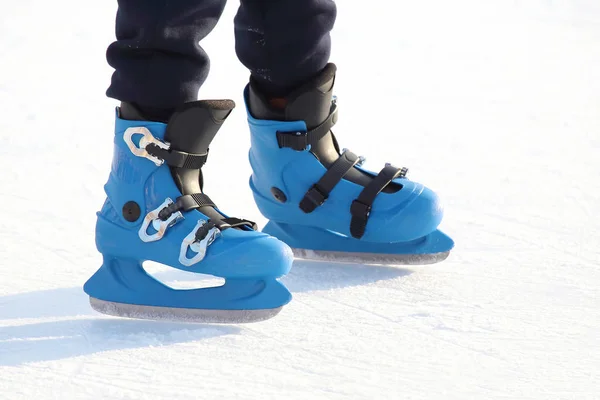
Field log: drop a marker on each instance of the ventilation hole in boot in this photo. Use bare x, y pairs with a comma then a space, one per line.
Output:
180, 280
278, 194
131, 211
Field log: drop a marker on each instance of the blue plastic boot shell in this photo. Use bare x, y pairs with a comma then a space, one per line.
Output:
249, 261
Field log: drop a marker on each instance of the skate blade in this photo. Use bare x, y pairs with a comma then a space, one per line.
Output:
189, 315
370, 258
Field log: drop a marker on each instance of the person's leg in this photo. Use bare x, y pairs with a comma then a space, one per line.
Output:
283, 43
158, 61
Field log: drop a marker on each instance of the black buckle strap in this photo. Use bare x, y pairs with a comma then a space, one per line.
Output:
300, 140
179, 159
203, 230
237, 222
360, 216
313, 198
186, 203
362, 206
319, 192
222, 224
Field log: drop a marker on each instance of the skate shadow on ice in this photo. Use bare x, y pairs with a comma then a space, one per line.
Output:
89, 333
61, 302
57, 340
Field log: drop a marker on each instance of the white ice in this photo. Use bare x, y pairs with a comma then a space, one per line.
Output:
495, 104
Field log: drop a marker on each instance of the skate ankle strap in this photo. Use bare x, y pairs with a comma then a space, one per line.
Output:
361, 206
160, 152
301, 140
175, 158
319, 192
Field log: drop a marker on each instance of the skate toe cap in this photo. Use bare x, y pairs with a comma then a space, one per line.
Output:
421, 216
251, 255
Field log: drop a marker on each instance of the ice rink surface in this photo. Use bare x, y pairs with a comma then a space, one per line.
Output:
495, 104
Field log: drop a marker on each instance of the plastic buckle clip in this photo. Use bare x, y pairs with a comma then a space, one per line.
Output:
147, 138
313, 198
316, 196
158, 224
360, 210
297, 140
196, 244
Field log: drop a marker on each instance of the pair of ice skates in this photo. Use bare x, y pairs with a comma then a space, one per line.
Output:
320, 203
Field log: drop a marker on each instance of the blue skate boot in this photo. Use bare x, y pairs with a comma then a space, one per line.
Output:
156, 210
319, 200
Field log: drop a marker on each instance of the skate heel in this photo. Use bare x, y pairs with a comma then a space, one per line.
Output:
116, 277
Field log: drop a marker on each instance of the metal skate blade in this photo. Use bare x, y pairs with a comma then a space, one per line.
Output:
370, 258
191, 315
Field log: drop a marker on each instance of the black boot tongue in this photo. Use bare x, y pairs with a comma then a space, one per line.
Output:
193, 126
191, 129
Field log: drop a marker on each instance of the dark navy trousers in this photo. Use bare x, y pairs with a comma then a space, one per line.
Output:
159, 61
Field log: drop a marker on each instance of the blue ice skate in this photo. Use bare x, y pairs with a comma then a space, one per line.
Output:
156, 210
320, 201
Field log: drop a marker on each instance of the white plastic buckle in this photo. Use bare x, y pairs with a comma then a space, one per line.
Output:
159, 225
147, 138
198, 247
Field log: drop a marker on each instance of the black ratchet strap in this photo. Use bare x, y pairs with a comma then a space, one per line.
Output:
222, 224
186, 203
361, 206
179, 159
319, 192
